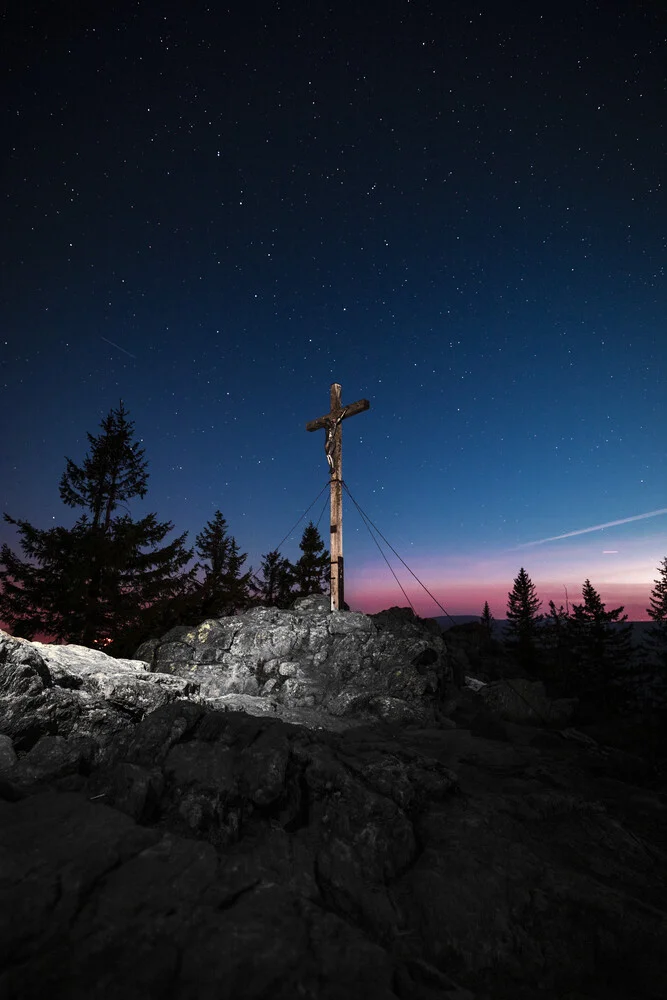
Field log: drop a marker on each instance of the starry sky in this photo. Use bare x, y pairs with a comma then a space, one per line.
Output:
457, 211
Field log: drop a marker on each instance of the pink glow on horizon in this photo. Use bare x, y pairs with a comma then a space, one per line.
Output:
468, 599
623, 573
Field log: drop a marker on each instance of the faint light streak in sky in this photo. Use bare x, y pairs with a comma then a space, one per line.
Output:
596, 527
609, 552
119, 348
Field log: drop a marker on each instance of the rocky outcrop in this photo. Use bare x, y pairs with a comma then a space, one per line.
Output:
151, 846
75, 691
206, 854
393, 665
307, 666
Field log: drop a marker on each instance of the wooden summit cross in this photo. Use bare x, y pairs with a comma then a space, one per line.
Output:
333, 446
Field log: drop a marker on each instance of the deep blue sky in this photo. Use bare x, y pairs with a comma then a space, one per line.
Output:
456, 211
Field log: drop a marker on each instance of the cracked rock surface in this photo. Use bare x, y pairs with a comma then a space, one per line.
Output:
392, 666
156, 843
217, 854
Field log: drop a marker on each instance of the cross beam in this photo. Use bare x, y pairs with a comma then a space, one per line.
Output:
333, 446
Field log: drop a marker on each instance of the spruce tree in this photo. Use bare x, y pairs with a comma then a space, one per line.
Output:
555, 639
601, 651
95, 584
523, 620
487, 620
656, 640
151, 588
654, 693
112, 474
312, 570
225, 589
45, 596
274, 587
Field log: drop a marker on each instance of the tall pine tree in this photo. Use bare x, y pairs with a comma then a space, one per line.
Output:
312, 570
523, 620
555, 640
112, 474
152, 586
45, 596
274, 587
224, 589
656, 640
651, 680
96, 583
487, 620
601, 650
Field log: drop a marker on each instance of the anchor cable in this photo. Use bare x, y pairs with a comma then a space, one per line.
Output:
324, 507
508, 681
326, 486
369, 523
424, 587
391, 570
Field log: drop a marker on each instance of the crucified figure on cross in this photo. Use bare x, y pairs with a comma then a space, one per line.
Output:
333, 447
330, 436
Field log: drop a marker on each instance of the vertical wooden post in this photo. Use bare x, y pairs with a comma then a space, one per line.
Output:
336, 520
333, 446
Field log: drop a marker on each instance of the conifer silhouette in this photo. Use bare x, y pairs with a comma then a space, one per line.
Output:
224, 589
97, 582
656, 640
602, 652
523, 621
653, 693
487, 620
274, 587
555, 639
312, 570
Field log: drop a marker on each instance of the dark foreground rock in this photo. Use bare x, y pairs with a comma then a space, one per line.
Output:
519, 700
203, 854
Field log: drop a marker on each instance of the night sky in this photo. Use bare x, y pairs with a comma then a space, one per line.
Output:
457, 211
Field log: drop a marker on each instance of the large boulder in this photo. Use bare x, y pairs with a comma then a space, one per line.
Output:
393, 665
75, 691
306, 665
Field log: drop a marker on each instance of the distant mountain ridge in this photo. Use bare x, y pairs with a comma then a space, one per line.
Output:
639, 629
448, 621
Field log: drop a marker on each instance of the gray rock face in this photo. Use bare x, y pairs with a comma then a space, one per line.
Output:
306, 665
7, 753
75, 691
391, 666
219, 855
